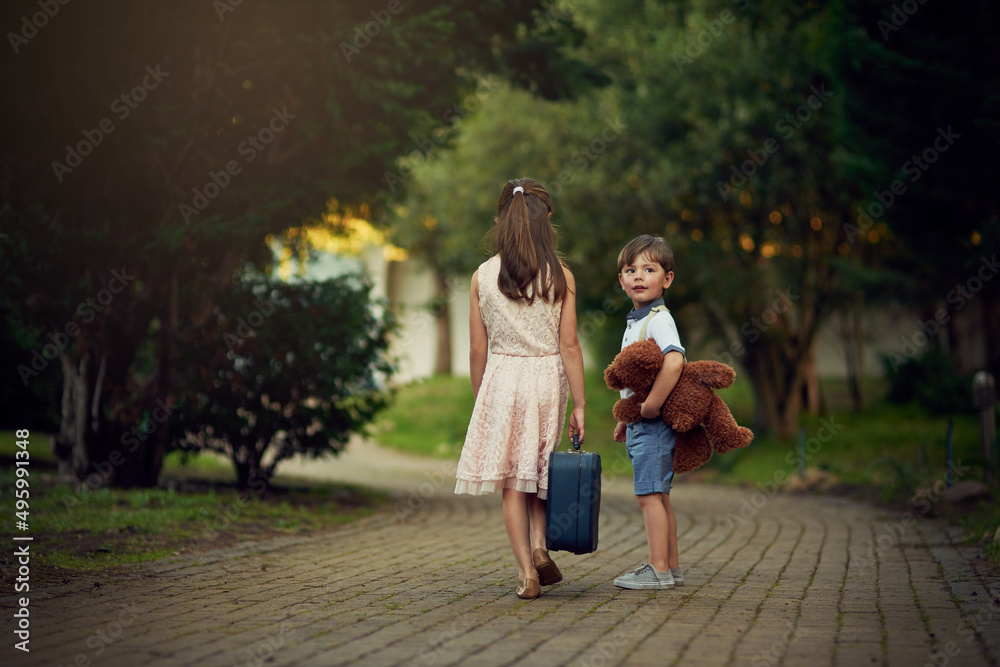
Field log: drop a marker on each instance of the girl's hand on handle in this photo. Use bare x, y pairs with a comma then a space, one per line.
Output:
576, 423
620, 432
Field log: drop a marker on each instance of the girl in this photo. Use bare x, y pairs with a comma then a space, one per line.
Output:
524, 353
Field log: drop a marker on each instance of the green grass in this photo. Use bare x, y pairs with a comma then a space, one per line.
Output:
982, 524
76, 529
431, 417
874, 447
176, 464
80, 529
886, 445
428, 417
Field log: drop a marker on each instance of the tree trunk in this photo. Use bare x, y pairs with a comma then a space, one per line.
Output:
852, 336
991, 315
71, 443
441, 310
160, 440
110, 435
810, 382
243, 471
778, 380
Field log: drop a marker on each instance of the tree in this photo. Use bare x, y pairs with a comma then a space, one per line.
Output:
150, 150
922, 124
728, 110
451, 197
749, 135
282, 369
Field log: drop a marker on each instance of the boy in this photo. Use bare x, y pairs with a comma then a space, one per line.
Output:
645, 271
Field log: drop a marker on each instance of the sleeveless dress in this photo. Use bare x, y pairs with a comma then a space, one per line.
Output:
521, 407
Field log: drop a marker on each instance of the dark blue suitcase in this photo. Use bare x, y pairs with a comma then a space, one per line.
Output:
574, 501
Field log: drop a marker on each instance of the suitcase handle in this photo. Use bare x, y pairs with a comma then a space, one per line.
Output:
575, 439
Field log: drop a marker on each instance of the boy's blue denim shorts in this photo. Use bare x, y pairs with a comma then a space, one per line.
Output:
650, 447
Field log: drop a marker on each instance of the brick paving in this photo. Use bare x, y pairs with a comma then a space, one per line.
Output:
782, 580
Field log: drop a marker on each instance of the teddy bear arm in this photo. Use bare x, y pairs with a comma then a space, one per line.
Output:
677, 418
627, 410
687, 403
714, 374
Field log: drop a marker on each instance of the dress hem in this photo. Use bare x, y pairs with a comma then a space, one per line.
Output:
493, 486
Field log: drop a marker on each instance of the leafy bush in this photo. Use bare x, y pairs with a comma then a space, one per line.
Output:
931, 381
283, 369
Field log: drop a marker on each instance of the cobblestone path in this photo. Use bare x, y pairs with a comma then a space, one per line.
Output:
782, 580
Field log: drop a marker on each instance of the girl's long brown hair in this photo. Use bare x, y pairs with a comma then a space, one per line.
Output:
525, 239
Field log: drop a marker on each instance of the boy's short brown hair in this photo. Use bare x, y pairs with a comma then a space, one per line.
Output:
655, 246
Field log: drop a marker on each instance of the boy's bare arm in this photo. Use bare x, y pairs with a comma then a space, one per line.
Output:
670, 372
620, 431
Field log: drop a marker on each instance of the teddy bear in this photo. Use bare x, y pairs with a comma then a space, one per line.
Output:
701, 421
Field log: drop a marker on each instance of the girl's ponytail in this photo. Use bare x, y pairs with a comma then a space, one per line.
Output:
529, 265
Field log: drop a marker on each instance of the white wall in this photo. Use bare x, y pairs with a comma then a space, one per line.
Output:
409, 288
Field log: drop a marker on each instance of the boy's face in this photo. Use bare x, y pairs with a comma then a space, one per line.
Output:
644, 280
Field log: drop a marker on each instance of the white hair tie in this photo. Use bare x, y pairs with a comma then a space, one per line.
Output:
516, 190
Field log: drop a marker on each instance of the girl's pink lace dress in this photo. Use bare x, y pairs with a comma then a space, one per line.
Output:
521, 407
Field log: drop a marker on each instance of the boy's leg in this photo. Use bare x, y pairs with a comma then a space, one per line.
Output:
515, 518
657, 521
650, 446
674, 555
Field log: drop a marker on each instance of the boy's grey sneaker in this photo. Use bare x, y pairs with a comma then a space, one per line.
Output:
678, 576
643, 578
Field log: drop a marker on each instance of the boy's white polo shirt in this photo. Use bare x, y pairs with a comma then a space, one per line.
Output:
661, 328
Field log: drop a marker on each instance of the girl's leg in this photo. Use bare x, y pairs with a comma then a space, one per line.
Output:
515, 518
657, 523
673, 557
536, 515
